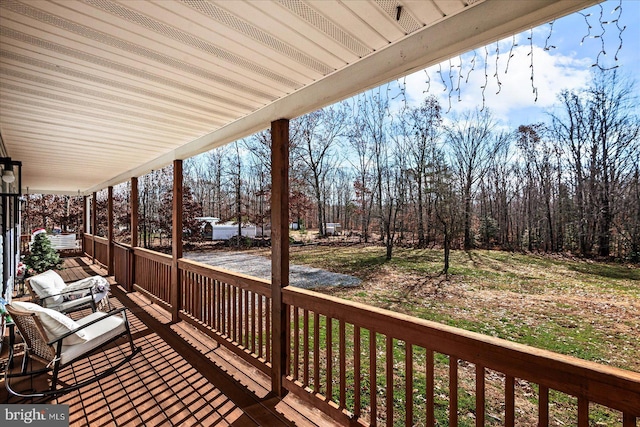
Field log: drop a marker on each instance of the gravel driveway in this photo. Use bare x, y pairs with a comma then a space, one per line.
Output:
258, 266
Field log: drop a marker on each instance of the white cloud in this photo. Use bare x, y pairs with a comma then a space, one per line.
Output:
552, 72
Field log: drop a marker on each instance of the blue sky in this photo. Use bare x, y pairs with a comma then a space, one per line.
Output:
567, 65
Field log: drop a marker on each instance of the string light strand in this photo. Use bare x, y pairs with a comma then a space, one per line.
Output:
530, 54
496, 73
513, 44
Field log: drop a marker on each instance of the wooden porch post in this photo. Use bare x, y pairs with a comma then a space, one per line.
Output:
131, 276
110, 231
94, 208
279, 250
84, 228
176, 239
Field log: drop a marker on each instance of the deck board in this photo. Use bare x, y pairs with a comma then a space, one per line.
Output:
182, 377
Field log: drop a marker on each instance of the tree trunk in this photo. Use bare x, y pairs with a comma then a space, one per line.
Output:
421, 235
447, 250
467, 219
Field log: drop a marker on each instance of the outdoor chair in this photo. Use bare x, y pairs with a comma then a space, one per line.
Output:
49, 290
58, 341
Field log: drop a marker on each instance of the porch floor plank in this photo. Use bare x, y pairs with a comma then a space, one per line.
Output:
182, 377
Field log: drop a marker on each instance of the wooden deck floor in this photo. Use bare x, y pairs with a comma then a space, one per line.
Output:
181, 377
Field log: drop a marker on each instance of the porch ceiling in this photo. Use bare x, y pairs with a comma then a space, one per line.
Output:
93, 92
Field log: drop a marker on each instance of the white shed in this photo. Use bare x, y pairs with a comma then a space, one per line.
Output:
332, 228
227, 230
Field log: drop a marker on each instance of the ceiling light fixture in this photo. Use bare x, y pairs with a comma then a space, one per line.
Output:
8, 176
11, 177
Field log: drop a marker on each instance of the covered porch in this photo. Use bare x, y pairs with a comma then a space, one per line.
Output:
174, 79
181, 377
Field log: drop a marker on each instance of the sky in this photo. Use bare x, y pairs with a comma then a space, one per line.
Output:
572, 49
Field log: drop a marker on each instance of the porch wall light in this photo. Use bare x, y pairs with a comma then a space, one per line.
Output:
8, 176
11, 177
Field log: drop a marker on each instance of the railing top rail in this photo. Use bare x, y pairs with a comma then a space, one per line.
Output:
255, 284
616, 388
99, 239
153, 255
122, 245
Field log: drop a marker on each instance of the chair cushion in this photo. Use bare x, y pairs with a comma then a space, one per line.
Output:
54, 323
72, 304
48, 283
97, 334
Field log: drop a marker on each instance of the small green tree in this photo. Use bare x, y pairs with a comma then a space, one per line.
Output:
42, 256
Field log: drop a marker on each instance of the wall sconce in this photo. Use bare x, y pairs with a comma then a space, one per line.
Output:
11, 177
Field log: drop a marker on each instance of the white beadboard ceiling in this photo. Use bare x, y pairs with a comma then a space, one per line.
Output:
93, 92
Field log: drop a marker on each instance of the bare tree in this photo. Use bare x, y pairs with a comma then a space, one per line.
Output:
540, 172
423, 126
368, 118
599, 128
446, 207
319, 132
473, 143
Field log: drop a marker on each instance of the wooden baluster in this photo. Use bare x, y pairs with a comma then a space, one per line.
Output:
268, 329
305, 371
186, 289
247, 325
373, 383
253, 322
212, 306
218, 305
200, 294
210, 303
286, 347
260, 322
184, 283
583, 412
237, 317
543, 407
429, 389
329, 355
480, 396
453, 391
389, 369
316, 352
242, 323
408, 381
509, 401
356, 366
296, 342
227, 310
343, 367
195, 292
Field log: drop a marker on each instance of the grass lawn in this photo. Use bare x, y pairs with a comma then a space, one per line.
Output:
581, 308
571, 306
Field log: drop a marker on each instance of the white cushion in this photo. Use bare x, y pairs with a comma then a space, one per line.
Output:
95, 335
48, 283
54, 323
65, 306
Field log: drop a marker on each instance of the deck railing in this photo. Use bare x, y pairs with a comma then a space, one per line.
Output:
101, 245
153, 275
87, 244
233, 308
375, 366
369, 366
121, 259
